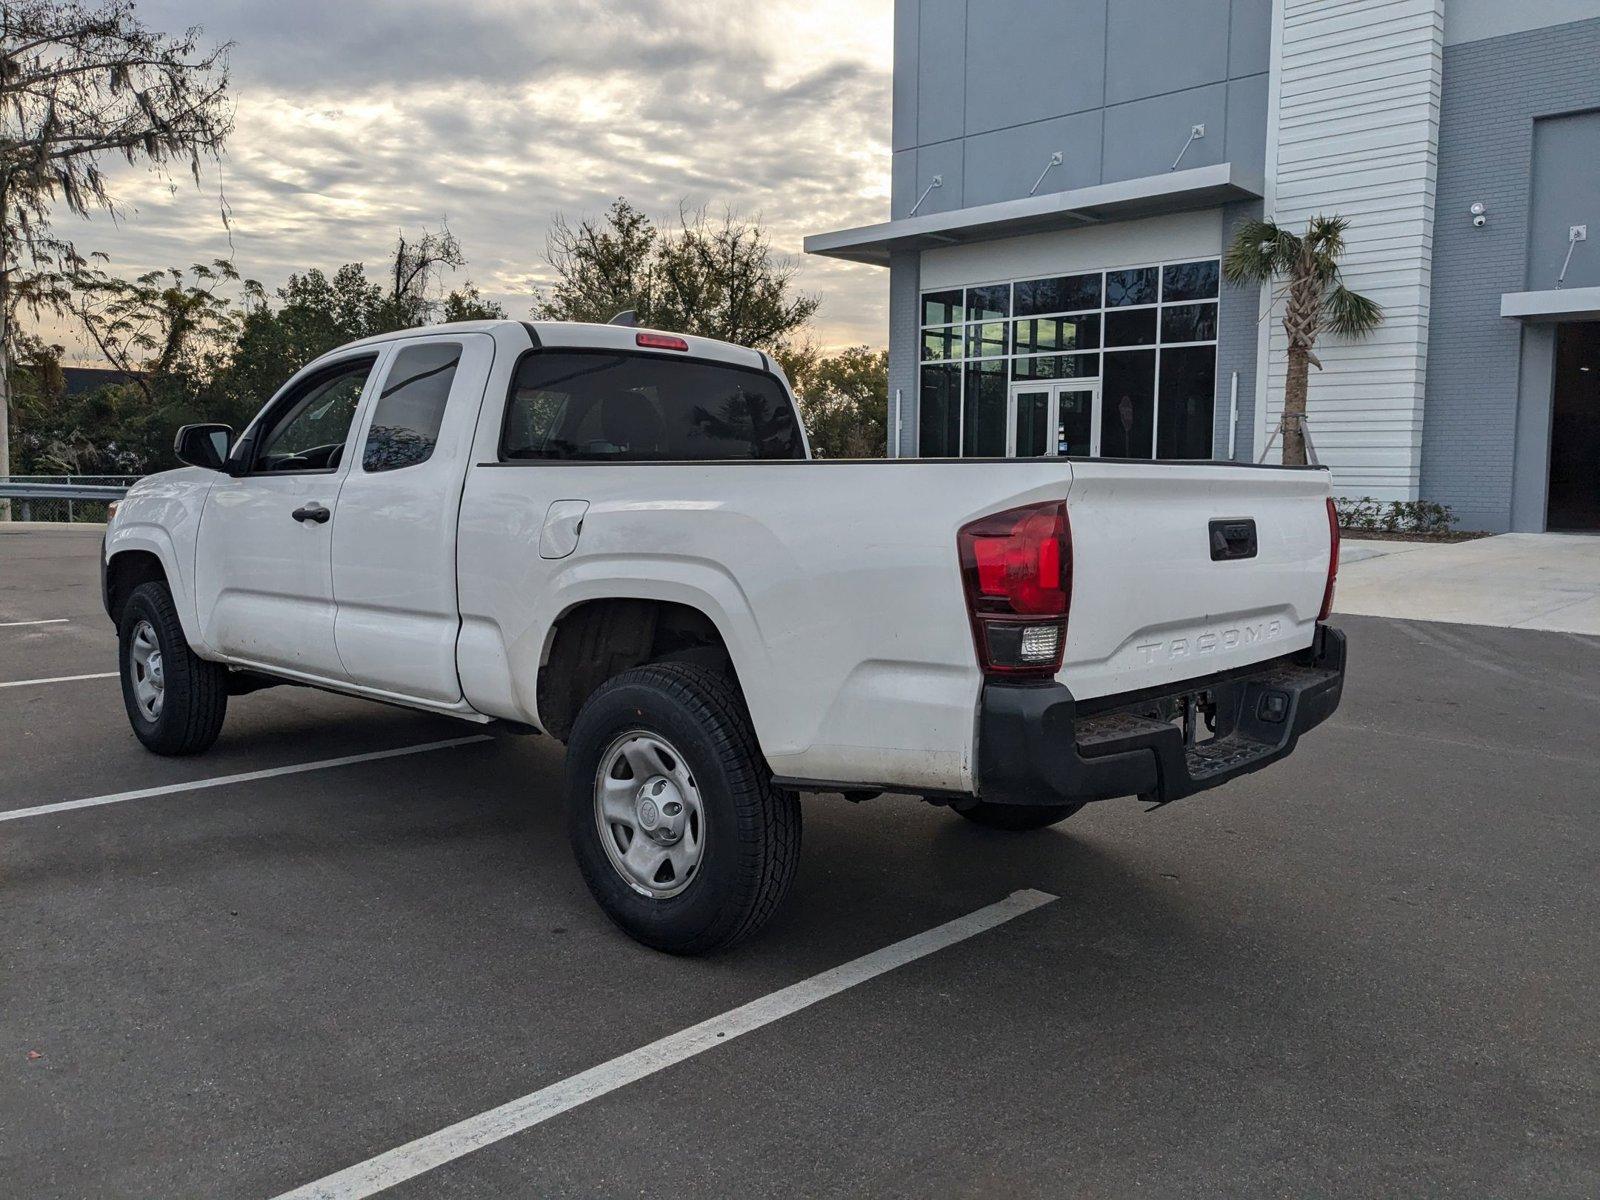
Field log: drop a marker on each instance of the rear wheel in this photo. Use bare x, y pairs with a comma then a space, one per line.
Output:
1017, 818
675, 823
176, 701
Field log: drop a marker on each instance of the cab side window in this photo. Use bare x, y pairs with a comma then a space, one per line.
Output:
410, 410
309, 430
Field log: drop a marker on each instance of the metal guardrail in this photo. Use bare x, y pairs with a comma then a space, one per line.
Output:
48, 498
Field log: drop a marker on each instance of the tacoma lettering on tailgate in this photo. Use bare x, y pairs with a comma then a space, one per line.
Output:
1209, 643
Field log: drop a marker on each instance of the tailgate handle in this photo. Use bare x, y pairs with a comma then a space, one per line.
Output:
1233, 539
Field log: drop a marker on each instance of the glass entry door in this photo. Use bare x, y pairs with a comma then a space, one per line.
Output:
1053, 420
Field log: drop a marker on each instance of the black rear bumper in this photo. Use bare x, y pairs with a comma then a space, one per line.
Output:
1038, 745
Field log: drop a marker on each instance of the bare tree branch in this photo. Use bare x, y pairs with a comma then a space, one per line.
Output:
81, 80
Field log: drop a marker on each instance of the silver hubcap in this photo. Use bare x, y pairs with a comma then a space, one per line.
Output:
145, 669
649, 813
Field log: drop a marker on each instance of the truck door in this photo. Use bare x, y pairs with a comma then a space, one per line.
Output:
394, 545
263, 567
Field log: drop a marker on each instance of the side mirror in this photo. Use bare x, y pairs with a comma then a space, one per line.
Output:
204, 446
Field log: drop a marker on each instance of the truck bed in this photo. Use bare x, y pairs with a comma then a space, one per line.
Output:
837, 589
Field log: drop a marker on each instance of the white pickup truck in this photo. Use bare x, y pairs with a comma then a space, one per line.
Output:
618, 537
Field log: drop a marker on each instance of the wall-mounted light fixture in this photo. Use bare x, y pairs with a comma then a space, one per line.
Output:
1196, 132
938, 181
1055, 161
1480, 214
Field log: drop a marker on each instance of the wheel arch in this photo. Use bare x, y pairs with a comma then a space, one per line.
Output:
596, 639
126, 570
145, 554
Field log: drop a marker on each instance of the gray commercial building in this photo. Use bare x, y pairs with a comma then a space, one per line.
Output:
1067, 174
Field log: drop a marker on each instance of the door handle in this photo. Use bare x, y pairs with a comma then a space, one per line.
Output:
312, 512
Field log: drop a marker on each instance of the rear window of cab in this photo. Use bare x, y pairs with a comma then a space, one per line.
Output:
613, 406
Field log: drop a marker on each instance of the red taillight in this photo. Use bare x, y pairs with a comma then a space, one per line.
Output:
1333, 561
1017, 570
659, 341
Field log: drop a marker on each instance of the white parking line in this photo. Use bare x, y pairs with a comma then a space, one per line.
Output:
196, 785
15, 624
474, 1133
58, 679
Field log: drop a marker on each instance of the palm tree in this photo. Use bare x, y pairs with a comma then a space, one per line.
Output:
1318, 301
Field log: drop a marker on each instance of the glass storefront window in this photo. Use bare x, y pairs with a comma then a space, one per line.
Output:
941, 308
1189, 323
1188, 401
1041, 335
941, 343
1138, 285
986, 341
1137, 328
1127, 404
1067, 293
1189, 281
988, 303
983, 429
1056, 366
939, 416
1148, 334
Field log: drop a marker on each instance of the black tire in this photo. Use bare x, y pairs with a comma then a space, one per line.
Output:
751, 841
1017, 818
195, 693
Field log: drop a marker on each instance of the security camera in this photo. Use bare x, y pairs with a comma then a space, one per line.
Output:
1480, 221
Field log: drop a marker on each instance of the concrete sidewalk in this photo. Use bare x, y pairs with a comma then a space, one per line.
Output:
1516, 581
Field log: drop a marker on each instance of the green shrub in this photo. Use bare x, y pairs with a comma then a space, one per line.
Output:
1397, 516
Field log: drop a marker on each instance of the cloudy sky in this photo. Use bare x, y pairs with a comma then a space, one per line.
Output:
359, 118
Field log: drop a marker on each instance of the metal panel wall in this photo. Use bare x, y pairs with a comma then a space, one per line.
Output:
1014, 75
1154, 47
967, 69
1566, 192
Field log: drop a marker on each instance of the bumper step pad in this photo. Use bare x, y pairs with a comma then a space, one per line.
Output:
1225, 754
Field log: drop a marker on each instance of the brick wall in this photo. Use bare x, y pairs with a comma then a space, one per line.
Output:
1238, 325
1493, 91
905, 287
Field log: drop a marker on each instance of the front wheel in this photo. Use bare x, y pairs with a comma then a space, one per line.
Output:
676, 826
1017, 818
176, 701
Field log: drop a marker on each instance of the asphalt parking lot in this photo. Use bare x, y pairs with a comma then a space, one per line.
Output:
1370, 970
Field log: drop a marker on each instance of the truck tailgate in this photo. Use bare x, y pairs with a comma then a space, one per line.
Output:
1150, 603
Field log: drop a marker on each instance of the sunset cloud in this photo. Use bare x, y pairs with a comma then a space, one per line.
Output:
358, 118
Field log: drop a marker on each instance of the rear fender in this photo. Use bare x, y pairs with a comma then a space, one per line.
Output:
698, 584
